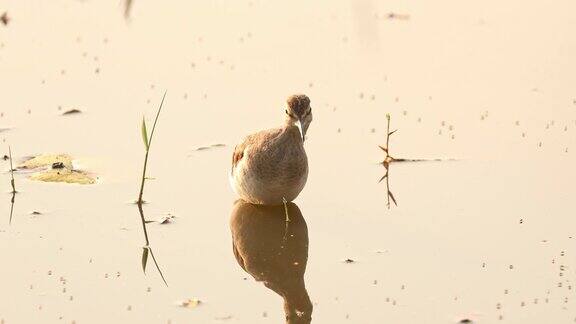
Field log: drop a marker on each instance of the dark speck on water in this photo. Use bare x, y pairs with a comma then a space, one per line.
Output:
465, 320
349, 261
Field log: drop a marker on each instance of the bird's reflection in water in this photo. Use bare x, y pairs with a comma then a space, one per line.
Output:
274, 252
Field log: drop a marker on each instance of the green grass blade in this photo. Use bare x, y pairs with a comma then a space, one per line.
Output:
156, 119
145, 134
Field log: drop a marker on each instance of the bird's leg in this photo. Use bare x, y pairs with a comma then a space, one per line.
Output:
286, 209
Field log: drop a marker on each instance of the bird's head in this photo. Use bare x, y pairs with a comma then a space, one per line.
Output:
299, 112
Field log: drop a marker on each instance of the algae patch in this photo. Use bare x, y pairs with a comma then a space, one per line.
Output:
56, 168
47, 160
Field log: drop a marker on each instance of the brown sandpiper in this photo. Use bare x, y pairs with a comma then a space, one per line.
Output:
271, 167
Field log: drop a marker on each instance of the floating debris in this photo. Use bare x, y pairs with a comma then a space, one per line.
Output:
47, 160
64, 175
55, 168
465, 320
349, 261
393, 15
167, 219
203, 148
189, 303
71, 112
57, 165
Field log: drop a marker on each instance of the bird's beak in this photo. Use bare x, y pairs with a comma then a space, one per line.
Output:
303, 127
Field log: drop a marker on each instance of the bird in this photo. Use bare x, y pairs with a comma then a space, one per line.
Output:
274, 252
270, 167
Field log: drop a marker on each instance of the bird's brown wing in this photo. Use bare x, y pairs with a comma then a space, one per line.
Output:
257, 139
238, 154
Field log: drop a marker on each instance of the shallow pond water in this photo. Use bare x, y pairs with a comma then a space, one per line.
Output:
485, 234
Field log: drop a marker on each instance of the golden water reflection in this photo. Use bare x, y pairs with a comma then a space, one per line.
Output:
274, 252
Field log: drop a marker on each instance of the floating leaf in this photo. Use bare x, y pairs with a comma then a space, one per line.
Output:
166, 219
46, 160
145, 134
64, 175
144, 258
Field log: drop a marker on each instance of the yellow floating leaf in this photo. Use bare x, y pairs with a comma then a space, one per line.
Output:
64, 175
47, 160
